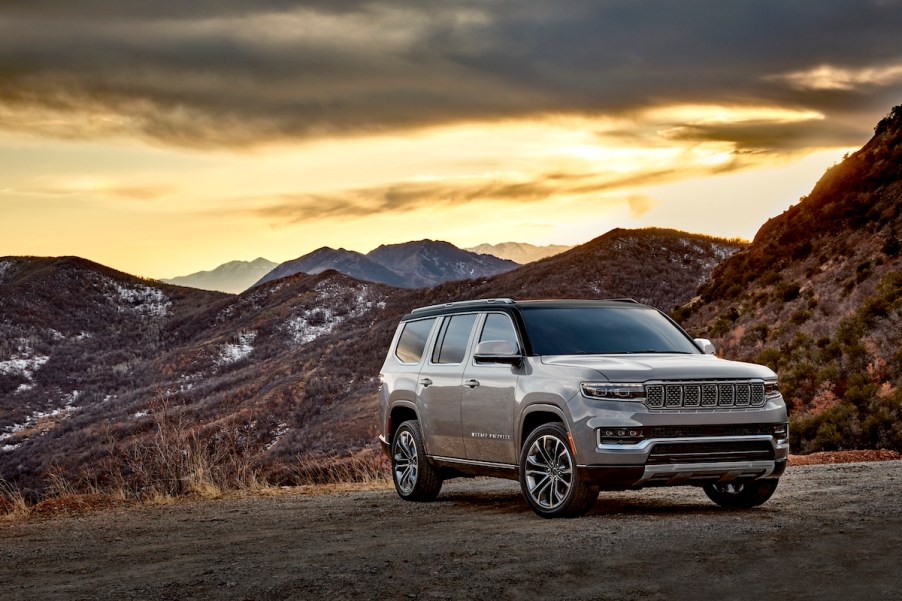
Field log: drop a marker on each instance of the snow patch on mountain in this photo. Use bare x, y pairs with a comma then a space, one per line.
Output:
23, 366
281, 430
37, 423
144, 299
335, 308
234, 352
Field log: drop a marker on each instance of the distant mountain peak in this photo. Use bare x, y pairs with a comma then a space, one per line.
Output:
519, 252
232, 277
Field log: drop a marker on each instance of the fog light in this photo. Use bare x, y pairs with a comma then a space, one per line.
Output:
620, 436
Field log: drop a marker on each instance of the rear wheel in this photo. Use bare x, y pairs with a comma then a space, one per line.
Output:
414, 477
741, 495
548, 475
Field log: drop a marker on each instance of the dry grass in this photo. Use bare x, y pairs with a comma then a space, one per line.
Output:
178, 460
368, 466
13, 505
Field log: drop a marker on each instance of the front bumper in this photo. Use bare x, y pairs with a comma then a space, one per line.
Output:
686, 461
622, 477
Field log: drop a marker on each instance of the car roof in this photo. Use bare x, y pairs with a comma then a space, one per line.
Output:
509, 305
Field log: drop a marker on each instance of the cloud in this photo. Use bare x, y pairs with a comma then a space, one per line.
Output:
97, 190
828, 77
767, 137
239, 73
410, 196
292, 208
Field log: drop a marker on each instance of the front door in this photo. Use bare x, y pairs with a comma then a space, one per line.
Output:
489, 397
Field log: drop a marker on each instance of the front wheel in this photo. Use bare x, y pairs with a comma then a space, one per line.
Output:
548, 475
414, 477
741, 495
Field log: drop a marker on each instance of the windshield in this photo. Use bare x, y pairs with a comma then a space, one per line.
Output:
602, 330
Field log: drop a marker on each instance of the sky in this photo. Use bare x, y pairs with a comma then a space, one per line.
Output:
166, 137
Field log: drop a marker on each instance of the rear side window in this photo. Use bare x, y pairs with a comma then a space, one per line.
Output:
413, 340
452, 346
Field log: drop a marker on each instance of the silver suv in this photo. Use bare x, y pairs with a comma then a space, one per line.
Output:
573, 397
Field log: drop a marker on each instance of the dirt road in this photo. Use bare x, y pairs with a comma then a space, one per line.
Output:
829, 532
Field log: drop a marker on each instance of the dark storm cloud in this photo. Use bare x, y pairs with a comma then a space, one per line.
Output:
207, 73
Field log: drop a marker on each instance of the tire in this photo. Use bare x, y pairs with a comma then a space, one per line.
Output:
548, 476
741, 495
414, 477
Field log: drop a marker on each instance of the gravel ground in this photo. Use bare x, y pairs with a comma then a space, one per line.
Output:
829, 532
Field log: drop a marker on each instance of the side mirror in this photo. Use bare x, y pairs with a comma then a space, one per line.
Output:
497, 351
705, 345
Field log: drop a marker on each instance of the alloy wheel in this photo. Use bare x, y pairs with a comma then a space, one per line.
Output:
405, 460
549, 472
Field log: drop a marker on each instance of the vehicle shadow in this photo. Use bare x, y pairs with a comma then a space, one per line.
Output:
629, 503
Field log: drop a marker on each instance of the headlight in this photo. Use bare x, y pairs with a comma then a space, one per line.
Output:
771, 389
614, 391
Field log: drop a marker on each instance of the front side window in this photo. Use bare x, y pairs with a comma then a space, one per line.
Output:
452, 342
603, 330
499, 327
413, 338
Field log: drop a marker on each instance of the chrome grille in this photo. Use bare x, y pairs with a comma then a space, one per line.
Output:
692, 395
725, 396
709, 395
654, 396
704, 395
673, 396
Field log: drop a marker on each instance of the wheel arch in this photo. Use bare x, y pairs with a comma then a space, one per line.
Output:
400, 412
539, 415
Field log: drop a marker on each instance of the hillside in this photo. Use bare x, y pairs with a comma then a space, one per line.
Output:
656, 266
232, 277
285, 369
419, 264
237, 376
818, 297
75, 333
519, 252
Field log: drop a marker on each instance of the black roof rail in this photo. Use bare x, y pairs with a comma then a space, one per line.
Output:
481, 301
624, 300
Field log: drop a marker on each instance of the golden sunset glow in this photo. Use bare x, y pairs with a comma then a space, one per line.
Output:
315, 127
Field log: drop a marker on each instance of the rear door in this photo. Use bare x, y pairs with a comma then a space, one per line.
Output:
439, 386
488, 399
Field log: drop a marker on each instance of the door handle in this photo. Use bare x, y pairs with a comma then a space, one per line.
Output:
426, 382
472, 383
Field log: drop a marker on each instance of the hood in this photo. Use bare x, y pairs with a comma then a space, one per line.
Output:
644, 367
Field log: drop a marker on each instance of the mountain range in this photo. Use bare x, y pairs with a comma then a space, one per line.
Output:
395, 265
418, 264
91, 357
